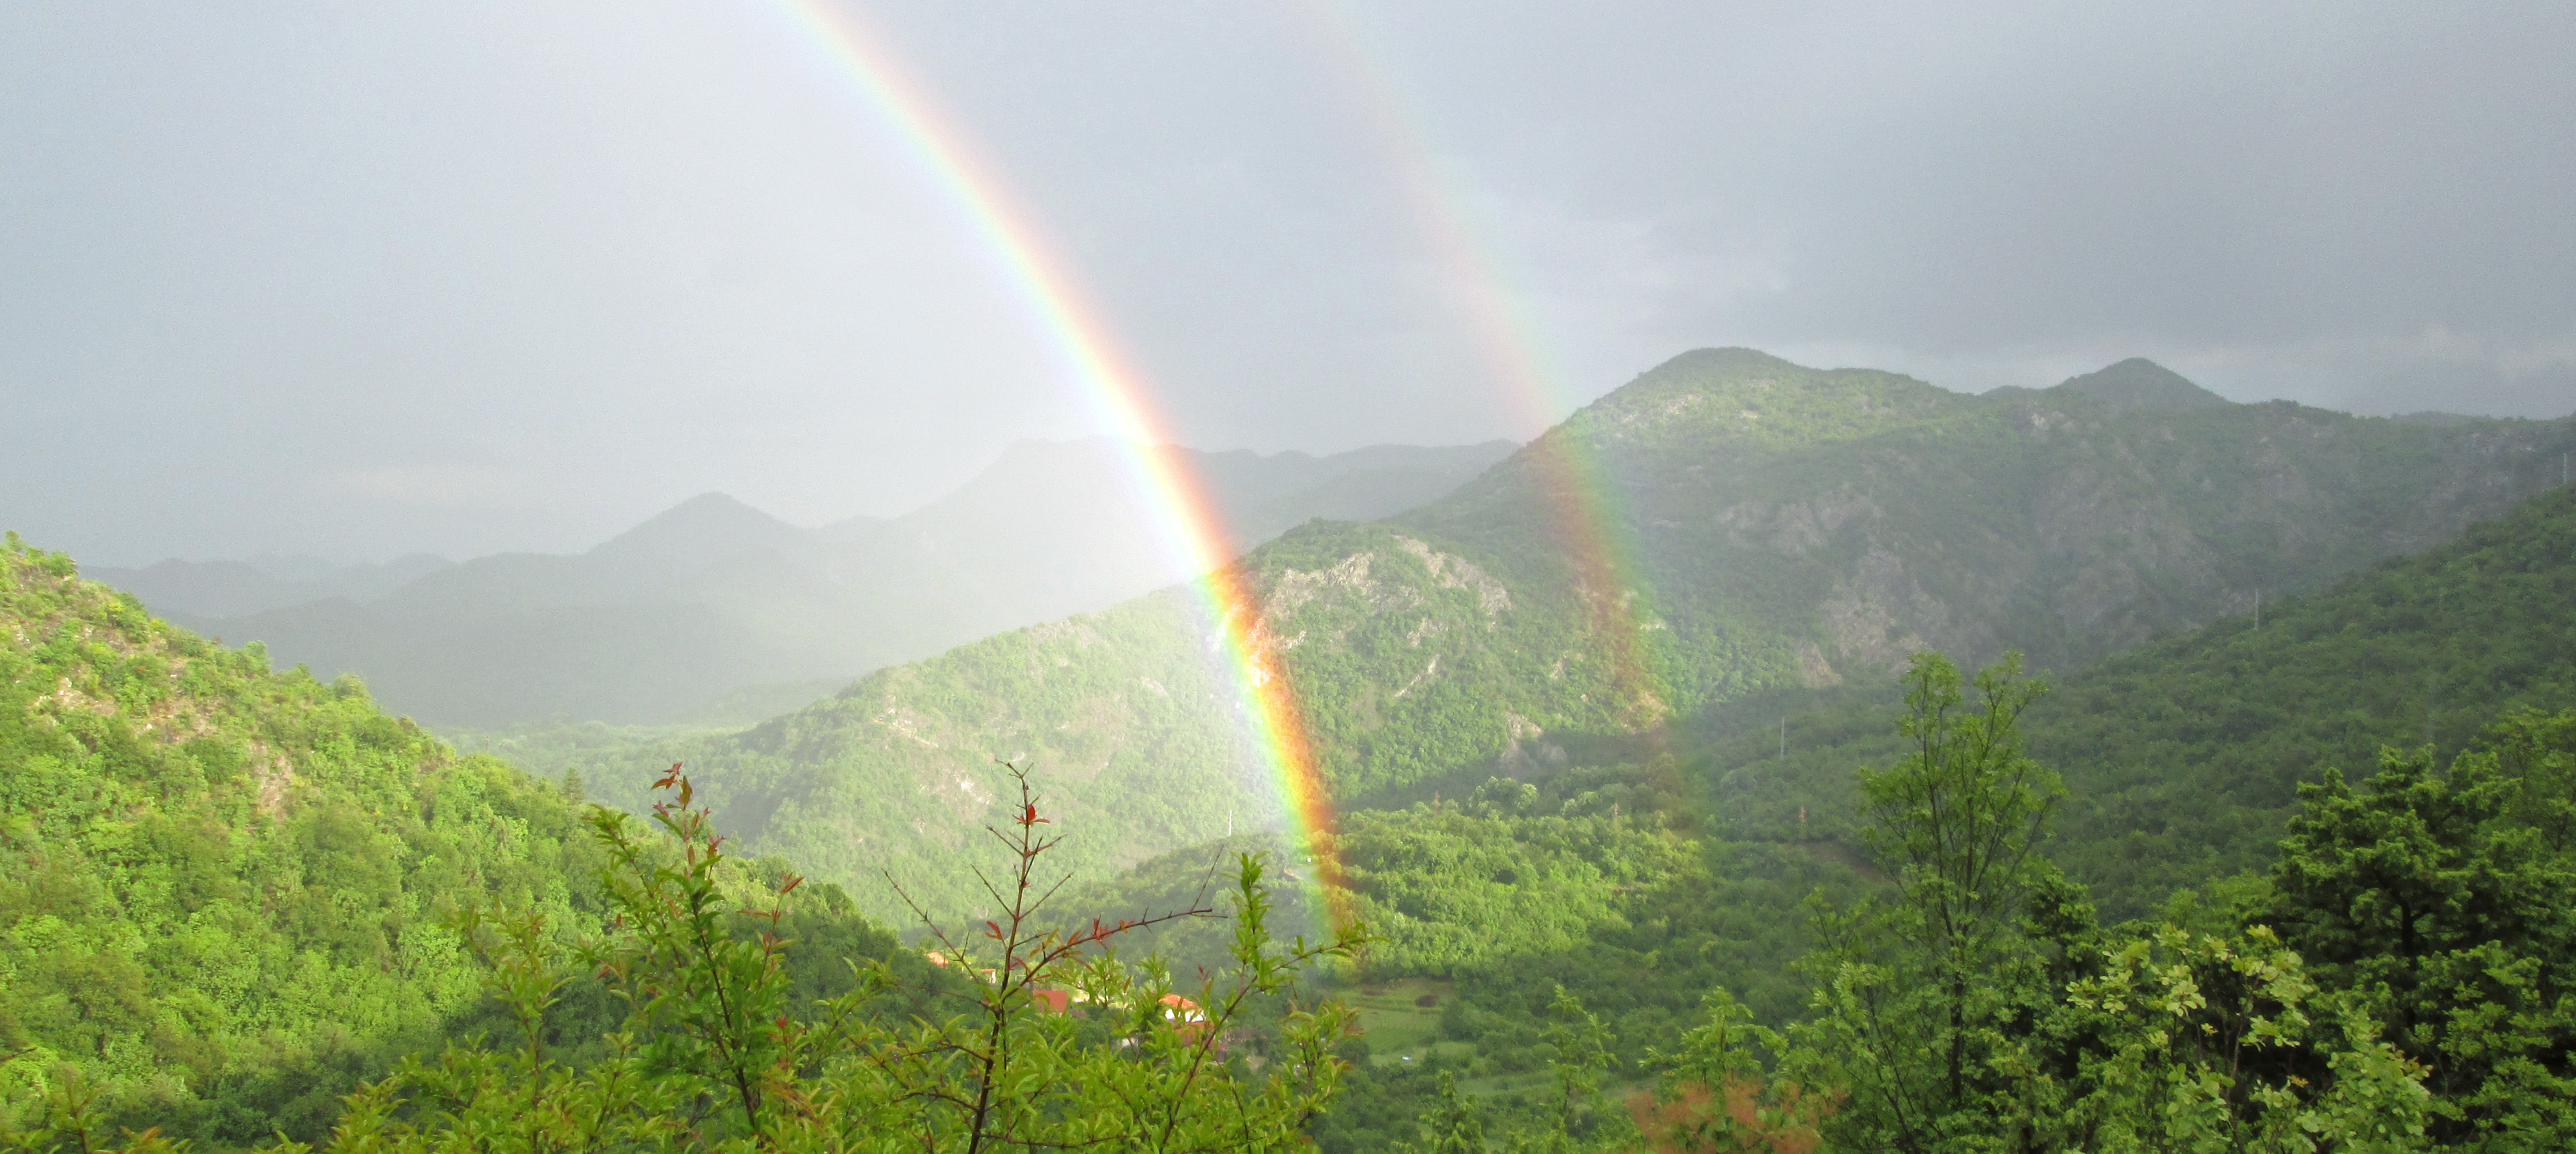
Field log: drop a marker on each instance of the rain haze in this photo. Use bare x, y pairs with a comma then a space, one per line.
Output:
357, 281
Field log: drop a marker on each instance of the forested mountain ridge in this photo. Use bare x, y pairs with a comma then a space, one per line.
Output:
2183, 758
713, 597
225, 886
1869, 516
1787, 527
260, 584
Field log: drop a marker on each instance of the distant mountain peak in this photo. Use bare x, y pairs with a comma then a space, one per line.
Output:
1732, 358
2140, 384
1740, 394
704, 529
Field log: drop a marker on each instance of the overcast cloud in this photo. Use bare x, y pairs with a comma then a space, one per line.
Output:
357, 280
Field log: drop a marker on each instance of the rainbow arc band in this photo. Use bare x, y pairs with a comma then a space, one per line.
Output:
1581, 501
1189, 523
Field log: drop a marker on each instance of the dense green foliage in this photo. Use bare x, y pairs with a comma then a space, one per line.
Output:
1465, 887
226, 885
2399, 980
1918, 987
1058, 1045
2443, 896
232, 891
1669, 916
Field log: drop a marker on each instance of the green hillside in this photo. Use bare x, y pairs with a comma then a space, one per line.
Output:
1791, 529
226, 885
2184, 757
229, 890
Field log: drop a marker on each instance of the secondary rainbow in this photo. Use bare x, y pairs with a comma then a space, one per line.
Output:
1189, 521
1578, 494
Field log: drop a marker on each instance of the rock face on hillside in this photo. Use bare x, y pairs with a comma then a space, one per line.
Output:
1725, 523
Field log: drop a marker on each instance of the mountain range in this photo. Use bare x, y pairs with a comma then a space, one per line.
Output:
214, 589
714, 605
1792, 530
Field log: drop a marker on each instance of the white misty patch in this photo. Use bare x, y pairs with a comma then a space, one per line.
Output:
1428, 671
906, 723
446, 486
1458, 573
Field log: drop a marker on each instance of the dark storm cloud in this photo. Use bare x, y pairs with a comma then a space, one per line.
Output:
464, 277
2348, 203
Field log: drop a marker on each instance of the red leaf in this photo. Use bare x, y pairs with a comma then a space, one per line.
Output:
1032, 818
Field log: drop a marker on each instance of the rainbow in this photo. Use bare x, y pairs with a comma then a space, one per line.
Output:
1190, 524
1579, 498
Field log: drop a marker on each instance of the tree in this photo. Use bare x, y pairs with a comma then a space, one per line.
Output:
2225, 1043
2441, 898
1714, 1099
1454, 1126
1915, 992
1579, 1118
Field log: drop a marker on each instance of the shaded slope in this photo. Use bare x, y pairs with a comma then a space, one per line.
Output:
1841, 520
2183, 758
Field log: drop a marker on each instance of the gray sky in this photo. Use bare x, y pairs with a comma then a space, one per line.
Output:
358, 280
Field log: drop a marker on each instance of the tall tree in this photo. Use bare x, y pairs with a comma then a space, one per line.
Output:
1916, 991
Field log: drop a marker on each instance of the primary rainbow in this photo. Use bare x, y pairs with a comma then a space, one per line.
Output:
1190, 524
